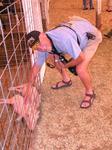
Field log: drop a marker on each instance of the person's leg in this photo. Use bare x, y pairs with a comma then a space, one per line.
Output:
64, 75
91, 4
85, 77
82, 68
66, 81
84, 5
109, 6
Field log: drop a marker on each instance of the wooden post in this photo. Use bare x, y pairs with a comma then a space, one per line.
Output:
98, 13
33, 21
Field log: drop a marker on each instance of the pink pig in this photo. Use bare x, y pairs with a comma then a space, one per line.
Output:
29, 111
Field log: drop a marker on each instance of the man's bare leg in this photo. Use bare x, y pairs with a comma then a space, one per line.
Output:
62, 71
86, 80
64, 75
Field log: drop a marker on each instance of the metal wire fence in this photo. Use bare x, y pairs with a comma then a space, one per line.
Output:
16, 120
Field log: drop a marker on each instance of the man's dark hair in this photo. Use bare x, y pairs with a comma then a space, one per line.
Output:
32, 38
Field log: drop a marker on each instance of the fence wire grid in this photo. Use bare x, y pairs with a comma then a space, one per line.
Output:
14, 69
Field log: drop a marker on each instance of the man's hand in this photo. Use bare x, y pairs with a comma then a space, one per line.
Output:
27, 93
75, 62
33, 74
58, 63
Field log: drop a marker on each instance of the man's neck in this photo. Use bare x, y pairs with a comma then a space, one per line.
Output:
50, 46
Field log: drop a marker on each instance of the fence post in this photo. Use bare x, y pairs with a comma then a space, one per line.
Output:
98, 13
33, 21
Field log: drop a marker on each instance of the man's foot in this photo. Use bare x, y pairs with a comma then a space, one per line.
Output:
88, 100
85, 8
62, 84
91, 7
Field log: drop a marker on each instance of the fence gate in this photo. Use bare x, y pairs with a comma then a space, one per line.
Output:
17, 121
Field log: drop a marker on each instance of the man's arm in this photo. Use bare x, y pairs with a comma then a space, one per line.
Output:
33, 74
76, 61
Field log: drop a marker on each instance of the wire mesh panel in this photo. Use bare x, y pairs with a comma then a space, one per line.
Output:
17, 120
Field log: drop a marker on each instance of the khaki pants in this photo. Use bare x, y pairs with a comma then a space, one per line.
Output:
92, 45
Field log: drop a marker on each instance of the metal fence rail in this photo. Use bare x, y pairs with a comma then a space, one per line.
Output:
15, 128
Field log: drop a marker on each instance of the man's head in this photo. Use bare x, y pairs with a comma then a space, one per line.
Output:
38, 41
32, 38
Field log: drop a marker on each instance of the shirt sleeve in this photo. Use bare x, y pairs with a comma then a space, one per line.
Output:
73, 48
40, 58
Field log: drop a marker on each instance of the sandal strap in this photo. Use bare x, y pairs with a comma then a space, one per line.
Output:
90, 101
90, 95
85, 101
58, 84
68, 82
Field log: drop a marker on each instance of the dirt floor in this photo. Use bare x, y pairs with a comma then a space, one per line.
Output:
63, 124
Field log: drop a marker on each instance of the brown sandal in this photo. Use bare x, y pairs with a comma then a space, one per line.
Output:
65, 84
89, 102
